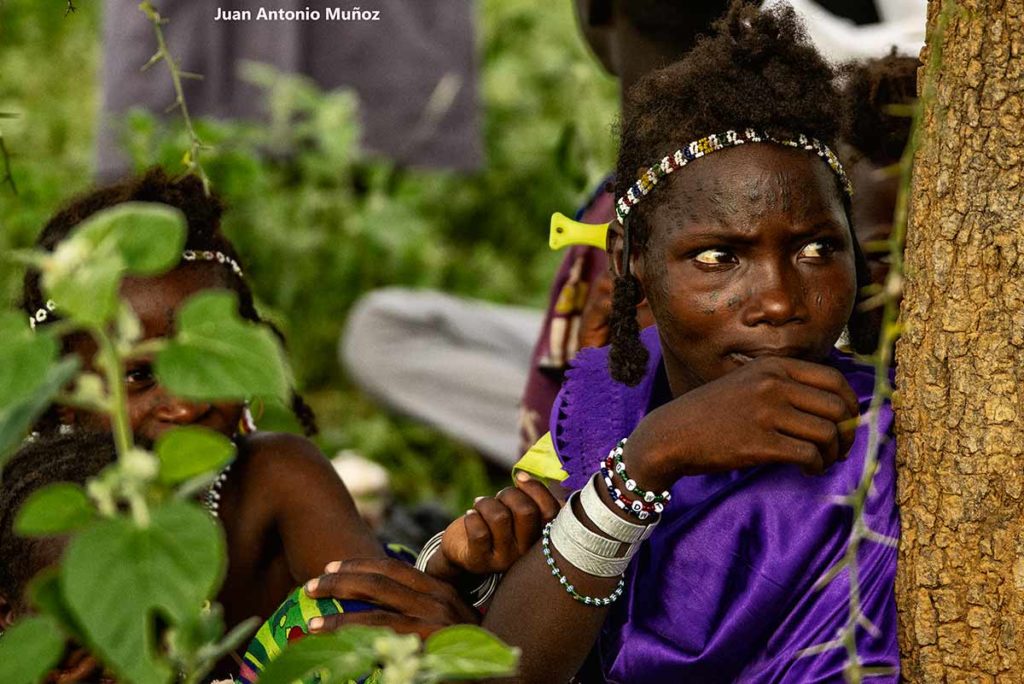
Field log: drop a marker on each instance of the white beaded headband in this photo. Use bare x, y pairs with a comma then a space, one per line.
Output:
712, 143
44, 313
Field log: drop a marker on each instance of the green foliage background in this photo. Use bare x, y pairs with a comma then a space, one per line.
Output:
317, 222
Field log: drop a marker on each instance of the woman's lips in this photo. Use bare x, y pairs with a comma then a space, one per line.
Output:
749, 355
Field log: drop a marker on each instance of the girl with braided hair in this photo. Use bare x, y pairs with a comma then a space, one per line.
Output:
284, 510
710, 454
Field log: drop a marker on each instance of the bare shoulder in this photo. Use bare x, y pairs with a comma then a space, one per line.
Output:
279, 456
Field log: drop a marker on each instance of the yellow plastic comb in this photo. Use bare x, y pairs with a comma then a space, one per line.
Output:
565, 232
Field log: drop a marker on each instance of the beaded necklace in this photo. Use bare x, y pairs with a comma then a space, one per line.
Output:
246, 426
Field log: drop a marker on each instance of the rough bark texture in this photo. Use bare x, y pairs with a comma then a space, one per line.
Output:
960, 422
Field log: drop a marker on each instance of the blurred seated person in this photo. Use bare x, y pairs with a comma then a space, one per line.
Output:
413, 69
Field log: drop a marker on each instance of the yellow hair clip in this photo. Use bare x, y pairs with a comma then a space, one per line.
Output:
565, 232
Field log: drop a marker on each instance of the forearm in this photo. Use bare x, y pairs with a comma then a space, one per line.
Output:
551, 620
533, 611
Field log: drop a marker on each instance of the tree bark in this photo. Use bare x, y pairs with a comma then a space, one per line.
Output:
960, 422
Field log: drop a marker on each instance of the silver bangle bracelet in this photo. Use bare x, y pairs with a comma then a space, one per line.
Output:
432, 546
481, 594
609, 522
600, 560
569, 520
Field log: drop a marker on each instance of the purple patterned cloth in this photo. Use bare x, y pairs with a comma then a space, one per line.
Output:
723, 591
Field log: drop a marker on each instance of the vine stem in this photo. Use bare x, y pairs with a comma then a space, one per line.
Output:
881, 360
120, 424
191, 159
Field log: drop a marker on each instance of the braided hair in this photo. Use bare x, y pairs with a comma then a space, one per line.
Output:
43, 461
202, 213
758, 70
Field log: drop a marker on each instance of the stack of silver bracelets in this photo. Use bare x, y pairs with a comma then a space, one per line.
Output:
481, 594
604, 554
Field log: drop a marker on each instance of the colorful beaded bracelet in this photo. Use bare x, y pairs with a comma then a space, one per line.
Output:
636, 501
634, 507
615, 458
569, 588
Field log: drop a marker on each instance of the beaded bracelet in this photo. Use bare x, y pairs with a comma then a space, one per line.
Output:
631, 485
634, 507
569, 588
646, 502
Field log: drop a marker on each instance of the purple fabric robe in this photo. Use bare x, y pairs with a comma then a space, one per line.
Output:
723, 590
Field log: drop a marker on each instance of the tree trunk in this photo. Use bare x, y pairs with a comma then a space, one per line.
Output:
960, 422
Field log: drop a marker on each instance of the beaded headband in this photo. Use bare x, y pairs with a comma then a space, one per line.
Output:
43, 314
713, 143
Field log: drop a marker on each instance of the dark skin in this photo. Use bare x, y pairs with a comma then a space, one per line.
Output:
284, 510
489, 538
749, 271
874, 205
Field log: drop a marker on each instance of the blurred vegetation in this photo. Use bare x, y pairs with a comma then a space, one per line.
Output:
317, 221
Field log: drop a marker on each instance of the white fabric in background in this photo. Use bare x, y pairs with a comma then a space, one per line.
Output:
903, 24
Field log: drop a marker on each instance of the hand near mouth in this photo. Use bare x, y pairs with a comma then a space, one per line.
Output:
772, 409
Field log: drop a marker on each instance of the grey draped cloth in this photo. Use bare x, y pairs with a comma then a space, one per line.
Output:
414, 70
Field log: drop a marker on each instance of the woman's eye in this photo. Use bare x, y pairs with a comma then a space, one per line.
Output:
818, 249
714, 257
139, 375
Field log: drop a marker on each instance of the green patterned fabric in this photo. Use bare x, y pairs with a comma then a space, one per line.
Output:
288, 624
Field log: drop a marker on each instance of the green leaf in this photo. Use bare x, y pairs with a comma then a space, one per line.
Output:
468, 652
29, 378
190, 451
83, 273
59, 508
169, 568
346, 654
216, 355
30, 649
45, 594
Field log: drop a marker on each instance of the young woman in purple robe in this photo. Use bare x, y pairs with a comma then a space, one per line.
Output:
691, 550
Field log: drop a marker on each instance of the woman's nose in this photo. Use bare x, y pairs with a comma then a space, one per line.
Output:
181, 411
778, 297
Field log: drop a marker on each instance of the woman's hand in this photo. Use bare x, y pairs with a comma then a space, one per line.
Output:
771, 410
410, 601
496, 532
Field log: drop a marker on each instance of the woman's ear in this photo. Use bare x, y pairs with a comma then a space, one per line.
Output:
614, 246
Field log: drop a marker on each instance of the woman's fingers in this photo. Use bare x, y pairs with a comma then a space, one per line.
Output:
526, 517
800, 452
820, 432
824, 378
541, 496
402, 624
499, 522
393, 585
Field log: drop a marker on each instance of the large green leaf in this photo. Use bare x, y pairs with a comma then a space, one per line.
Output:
216, 355
59, 508
168, 568
347, 654
468, 652
47, 597
30, 649
83, 273
29, 378
190, 451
